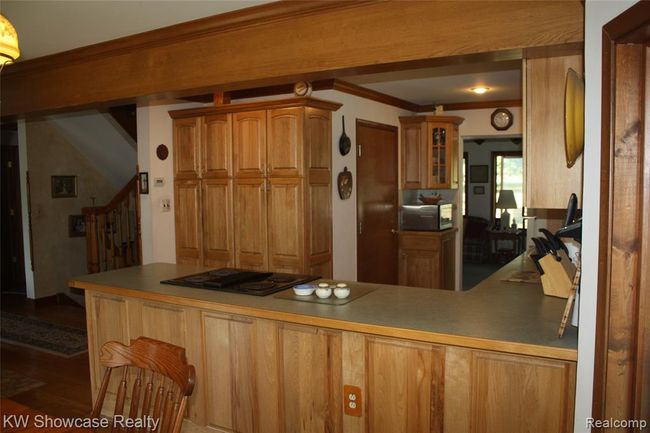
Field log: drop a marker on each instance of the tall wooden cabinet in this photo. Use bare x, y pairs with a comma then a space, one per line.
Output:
549, 182
429, 152
252, 185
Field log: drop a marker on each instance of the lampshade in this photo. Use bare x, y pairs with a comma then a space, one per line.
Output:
506, 200
9, 50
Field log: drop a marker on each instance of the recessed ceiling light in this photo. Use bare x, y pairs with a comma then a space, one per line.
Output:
479, 90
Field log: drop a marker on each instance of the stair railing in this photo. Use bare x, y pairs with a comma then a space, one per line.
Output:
113, 231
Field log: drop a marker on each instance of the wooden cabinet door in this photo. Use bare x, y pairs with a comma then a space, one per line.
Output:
250, 206
187, 216
311, 379
513, 393
187, 137
284, 149
417, 268
405, 384
447, 276
548, 181
440, 155
249, 143
216, 149
286, 225
218, 237
413, 155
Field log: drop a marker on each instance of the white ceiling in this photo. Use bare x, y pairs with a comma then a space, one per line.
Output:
50, 26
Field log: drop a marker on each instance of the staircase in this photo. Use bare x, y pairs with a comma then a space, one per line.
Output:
113, 231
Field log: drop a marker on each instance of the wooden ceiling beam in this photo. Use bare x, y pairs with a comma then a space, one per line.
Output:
285, 42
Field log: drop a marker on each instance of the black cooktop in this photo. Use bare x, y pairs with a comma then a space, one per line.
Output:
241, 281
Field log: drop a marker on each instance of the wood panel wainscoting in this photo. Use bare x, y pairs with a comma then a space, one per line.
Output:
622, 361
273, 376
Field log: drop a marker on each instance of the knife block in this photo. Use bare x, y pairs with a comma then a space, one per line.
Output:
558, 276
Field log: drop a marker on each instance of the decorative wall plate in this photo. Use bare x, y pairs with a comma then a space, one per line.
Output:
344, 182
162, 152
574, 117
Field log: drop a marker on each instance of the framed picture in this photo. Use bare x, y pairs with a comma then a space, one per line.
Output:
76, 226
478, 173
64, 186
144, 182
479, 190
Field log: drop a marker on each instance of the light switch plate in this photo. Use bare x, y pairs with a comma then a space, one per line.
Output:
159, 181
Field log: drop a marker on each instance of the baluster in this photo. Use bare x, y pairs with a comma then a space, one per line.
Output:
121, 396
112, 238
135, 396
146, 401
129, 250
167, 410
97, 408
158, 403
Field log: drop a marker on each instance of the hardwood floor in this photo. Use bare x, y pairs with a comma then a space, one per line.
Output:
66, 392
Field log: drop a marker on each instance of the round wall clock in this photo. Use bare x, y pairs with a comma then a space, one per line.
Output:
501, 119
162, 152
302, 88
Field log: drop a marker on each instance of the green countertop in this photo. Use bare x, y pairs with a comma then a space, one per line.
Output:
497, 315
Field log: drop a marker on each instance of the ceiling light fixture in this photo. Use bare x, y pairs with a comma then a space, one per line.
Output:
9, 50
479, 90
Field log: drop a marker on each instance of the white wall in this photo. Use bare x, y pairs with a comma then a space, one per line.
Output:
597, 14
157, 227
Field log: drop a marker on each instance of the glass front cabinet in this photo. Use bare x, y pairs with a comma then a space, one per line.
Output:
429, 152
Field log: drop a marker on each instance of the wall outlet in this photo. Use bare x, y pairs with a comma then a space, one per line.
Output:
165, 205
159, 181
352, 400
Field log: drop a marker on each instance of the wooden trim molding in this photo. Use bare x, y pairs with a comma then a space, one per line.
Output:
253, 106
373, 95
622, 355
477, 105
285, 42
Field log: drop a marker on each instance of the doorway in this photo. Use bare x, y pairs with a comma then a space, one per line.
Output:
377, 199
13, 267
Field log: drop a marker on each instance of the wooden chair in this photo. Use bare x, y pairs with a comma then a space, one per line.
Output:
163, 382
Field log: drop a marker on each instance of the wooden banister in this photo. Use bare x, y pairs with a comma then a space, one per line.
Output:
113, 231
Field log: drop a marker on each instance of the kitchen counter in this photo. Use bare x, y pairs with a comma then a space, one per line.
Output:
495, 315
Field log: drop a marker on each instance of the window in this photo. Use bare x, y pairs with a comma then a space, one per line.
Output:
508, 172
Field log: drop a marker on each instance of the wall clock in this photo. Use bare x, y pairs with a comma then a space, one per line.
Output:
501, 119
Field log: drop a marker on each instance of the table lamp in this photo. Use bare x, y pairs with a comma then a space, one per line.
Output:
506, 201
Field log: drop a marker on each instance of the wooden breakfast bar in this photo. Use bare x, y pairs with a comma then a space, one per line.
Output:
397, 359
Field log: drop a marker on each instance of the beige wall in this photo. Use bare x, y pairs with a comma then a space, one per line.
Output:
58, 257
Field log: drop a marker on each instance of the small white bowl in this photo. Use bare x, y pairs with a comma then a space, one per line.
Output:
304, 289
342, 292
324, 292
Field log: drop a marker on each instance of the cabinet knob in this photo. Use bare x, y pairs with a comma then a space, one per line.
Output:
393, 231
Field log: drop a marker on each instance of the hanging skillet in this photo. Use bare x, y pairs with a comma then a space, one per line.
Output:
344, 141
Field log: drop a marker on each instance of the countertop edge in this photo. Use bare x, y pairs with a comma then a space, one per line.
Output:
301, 319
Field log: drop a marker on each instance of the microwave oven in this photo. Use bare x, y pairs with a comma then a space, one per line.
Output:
426, 217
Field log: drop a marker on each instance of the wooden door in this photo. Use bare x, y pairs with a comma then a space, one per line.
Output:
376, 203
249, 143
187, 137
405, 387
187, 220
216, 146
250, 206
285, 148
286, 218
413, 154
218, 237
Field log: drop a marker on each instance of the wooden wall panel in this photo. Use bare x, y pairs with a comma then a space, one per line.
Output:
521, 394
405, 387
311, 379
279, 43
